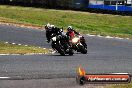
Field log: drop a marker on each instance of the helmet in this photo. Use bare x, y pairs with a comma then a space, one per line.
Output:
69, 28
47, 26
52, 26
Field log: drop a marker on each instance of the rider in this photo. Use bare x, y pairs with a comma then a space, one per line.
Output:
50, 29
71, 33
48, 32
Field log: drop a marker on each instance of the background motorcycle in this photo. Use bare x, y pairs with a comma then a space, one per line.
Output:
77, 44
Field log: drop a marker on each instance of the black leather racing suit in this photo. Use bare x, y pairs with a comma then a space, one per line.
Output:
57, 31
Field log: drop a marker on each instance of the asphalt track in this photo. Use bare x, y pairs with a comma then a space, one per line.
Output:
105, 55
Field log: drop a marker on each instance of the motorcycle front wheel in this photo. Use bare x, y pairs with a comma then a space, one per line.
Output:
59, 49
82, 49
71, 52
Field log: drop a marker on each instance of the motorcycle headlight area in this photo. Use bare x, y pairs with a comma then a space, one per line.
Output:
75, 40
54, 39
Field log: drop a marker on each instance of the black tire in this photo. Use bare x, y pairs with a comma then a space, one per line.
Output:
71, 52
60, 50
82, 49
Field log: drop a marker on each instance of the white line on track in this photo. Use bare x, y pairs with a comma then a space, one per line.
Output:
118, 38
108, 37
6, 42
4, 54
34, 54
119, 73
99, 36
90, 35
19, 44
13, 43
8, 54
5, 77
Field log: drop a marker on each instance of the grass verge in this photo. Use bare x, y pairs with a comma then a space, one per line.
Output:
20, 49
120, 86
103, 24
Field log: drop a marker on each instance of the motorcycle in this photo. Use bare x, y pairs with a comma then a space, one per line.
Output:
77, 44
61, 46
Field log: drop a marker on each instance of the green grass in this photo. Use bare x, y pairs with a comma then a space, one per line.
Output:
120, 86
113, 25
20, 49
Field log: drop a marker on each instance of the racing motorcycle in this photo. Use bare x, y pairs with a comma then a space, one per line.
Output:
77, 43
61, 46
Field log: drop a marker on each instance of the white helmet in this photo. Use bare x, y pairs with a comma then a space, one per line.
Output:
69, 28
47, 26
52, 26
